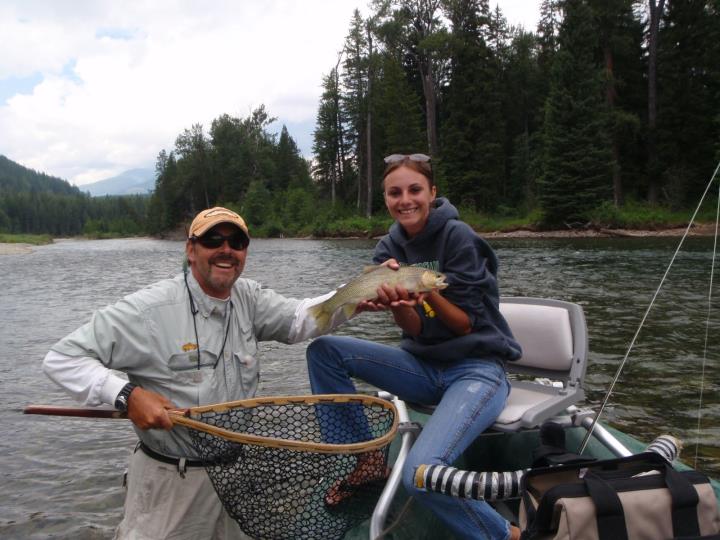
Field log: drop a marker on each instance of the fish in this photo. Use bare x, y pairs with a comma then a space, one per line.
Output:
364, 287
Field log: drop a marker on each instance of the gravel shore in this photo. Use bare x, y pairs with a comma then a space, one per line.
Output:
697, 230
14, 249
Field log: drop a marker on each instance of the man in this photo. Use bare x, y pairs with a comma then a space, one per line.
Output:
183, 342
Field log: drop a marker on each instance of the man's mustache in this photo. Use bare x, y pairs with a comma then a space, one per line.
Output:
226, 258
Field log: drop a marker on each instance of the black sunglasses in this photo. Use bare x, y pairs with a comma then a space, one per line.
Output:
395, 158
214, 240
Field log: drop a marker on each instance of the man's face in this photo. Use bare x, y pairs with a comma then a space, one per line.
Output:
216, 269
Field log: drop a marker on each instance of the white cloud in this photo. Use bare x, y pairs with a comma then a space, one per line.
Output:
121, 79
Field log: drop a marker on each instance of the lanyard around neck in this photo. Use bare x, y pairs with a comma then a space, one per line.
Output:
194, 311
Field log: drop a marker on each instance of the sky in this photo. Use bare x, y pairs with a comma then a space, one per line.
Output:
92, 88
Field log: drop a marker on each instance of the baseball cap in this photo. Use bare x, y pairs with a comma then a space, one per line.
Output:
207, 219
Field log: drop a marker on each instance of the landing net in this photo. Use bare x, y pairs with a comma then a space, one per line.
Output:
295, 467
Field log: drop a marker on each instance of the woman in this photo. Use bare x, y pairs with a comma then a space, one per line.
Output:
454, 343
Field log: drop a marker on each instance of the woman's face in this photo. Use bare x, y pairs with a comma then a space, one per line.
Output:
408, 197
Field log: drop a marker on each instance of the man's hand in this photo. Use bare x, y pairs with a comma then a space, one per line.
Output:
148, 410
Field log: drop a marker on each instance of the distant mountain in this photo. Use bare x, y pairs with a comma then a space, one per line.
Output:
14, 178
132, 182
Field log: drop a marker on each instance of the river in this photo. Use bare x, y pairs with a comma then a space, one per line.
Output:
61, 477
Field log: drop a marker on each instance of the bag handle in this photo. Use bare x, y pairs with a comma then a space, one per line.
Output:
683, 495
608, 508
685, 501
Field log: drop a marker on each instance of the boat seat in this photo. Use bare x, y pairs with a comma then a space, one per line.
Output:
549, 376
554, 341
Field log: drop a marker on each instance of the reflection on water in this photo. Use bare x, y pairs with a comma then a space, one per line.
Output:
61, 477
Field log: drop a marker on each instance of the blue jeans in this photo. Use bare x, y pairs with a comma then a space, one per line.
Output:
470, 394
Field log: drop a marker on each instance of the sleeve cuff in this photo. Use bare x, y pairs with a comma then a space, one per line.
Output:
111, 388
304, 326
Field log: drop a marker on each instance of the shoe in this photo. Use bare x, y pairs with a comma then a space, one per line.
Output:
370, 473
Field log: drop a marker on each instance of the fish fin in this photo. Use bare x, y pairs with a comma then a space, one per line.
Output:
322, 318
371, 268
349, 309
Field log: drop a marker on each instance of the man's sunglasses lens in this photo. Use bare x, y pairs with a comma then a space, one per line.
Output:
213, 241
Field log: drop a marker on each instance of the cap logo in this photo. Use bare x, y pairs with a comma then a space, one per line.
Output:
213, 212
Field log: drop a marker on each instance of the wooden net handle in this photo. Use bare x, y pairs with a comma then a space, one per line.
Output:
182, 417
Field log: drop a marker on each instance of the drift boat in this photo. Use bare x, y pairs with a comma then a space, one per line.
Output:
547, 385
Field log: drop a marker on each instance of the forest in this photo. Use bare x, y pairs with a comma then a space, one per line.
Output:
36, 203
608, 105
604, 114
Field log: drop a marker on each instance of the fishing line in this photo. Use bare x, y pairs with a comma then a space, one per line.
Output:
590, 430
707, 331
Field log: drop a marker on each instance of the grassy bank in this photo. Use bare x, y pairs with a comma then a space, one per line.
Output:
630, 217
33, 239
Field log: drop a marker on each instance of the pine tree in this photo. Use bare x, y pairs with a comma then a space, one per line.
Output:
619, 39
416, 27
355, 98
191, 147
653, 168
688, 92
522, 109
577, 161
399, 107
328, 138
291, 168
473, 131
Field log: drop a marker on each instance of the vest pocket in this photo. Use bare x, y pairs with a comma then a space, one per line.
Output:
187, 361
249, 369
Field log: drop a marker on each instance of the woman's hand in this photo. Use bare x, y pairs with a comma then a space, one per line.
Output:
398, 296
389, 296
392, 264
379, 303
148, 410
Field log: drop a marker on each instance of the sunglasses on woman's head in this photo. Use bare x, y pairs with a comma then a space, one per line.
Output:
214, 240
395, 158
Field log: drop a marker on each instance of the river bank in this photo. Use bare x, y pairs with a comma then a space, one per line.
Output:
705, 229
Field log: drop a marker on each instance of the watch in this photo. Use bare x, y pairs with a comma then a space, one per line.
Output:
121, 401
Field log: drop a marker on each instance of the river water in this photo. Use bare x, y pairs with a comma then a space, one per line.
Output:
61, 477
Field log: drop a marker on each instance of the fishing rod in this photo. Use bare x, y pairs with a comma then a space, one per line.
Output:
590, 430
77, 412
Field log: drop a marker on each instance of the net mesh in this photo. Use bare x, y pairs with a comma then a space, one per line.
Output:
291, 468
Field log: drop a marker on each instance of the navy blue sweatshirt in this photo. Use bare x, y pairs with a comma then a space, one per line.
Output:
450, 246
